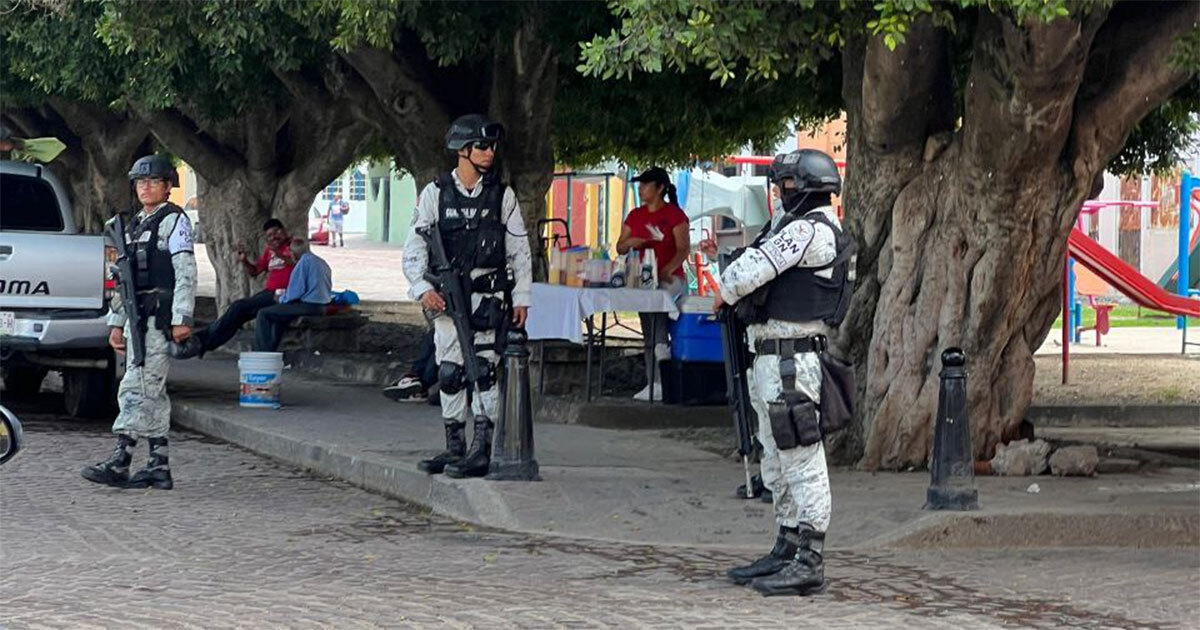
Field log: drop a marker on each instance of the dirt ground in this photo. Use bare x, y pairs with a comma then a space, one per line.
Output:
1118, 379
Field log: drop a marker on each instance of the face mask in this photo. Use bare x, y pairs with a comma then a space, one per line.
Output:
791, 198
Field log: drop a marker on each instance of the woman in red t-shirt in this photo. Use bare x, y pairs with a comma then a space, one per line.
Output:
661, 225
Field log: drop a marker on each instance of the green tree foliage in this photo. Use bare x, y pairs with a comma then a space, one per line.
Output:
768, 40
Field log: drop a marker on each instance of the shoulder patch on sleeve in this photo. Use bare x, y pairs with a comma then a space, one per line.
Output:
181, 239
786, 248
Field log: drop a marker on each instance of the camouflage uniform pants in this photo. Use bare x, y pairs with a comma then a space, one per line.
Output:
798, 477
447, 350
142, 396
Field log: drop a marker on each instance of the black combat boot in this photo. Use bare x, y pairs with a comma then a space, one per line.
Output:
456, 446
193, 346
805, 574
157, 472
773, 562
113, 471
479, 456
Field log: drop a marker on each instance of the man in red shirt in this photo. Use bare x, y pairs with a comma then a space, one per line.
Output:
662, 226
277, 261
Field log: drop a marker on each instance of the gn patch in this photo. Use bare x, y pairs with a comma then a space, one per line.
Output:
786, 248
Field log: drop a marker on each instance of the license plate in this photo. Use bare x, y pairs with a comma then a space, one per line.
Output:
8, 323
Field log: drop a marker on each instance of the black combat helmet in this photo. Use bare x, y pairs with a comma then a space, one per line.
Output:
472, 128
154, 167
814, 171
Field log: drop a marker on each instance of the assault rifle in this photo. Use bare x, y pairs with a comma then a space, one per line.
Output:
733, 337
453, 285
123, 269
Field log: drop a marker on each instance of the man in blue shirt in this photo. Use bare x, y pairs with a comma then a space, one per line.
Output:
308, 293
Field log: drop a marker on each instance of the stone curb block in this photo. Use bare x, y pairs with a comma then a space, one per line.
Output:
469, 500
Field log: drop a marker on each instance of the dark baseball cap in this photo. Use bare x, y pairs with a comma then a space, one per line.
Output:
654, 174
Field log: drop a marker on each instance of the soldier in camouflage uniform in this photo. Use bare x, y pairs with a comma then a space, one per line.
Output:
161, 236
791, 287
484, 236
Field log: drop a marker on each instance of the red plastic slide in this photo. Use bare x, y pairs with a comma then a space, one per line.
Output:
1126, 279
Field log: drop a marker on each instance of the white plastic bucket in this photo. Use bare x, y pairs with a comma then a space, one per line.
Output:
261, 377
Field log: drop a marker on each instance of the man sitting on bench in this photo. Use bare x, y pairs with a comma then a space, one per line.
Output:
278, 263
308, 293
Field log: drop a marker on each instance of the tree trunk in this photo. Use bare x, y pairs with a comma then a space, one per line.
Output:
962, 233
524, 66
271, 162
975, 264
104, 186
233, 217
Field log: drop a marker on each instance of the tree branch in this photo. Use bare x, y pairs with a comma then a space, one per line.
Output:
259, 129
83, 118
1021, 87
1132, 75
906, 92
402, 95
340, 143
30, 123
104, 132
307, 94
175, 130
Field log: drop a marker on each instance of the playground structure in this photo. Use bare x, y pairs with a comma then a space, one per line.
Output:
1129, 281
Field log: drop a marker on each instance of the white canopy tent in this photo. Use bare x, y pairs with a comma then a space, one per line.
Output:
743, 199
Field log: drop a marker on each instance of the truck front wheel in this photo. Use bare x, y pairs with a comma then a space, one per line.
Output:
89, 393
23, 381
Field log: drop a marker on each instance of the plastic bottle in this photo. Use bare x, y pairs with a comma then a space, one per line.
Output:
648, 271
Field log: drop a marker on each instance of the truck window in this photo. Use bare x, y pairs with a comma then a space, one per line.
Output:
28, 203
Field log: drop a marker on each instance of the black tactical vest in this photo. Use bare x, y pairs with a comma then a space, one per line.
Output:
799, 294
154, 274
472, 229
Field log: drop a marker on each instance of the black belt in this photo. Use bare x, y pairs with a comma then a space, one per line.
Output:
789, 347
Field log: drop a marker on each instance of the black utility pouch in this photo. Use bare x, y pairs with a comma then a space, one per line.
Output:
794, 421
804, 421
489, 315
781, 425
794, 415
837, 393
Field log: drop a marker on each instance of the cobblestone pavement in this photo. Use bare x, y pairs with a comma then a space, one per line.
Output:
245, 543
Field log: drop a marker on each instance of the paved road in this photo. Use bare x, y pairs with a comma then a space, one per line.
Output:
245, 543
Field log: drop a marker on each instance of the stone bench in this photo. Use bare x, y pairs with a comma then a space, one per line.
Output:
334, 332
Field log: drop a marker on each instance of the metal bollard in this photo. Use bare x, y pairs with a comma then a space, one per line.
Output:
512, 444
952, 471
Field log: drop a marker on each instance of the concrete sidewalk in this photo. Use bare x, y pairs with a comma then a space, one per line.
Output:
637, 486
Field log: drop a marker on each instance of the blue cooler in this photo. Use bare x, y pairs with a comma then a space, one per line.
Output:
696, 335
695, 375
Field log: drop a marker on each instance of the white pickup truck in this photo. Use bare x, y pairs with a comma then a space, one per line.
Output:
54, 291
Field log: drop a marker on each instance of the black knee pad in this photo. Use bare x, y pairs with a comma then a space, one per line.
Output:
450, 377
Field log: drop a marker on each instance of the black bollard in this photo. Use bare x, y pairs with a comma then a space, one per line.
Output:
512, 445
952, 471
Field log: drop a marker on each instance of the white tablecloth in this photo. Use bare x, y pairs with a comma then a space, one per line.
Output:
557, 312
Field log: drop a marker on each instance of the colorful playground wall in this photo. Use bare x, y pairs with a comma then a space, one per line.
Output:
593, 219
